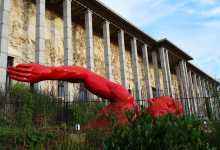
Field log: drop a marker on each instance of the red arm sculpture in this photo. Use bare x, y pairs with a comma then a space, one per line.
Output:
118, 96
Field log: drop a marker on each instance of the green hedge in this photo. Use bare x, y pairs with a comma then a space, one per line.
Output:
165, 133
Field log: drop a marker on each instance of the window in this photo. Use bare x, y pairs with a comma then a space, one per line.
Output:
61, 90
154, 92
82, 92
10, 63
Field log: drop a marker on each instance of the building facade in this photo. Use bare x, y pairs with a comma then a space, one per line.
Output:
88, 34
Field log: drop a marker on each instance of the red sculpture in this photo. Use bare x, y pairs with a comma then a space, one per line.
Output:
119, 97
162, 106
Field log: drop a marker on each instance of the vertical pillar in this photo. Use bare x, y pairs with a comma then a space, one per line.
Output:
107, 50
164, 70
211, 100
121, 43
4, 24
169, 73
40, 39
180, 82
201, 94
184, 77
195, 82
147, 71
135, 68
156, 72
204, 88
197, 94
68, 48
89, 40
211, 89
40, 29
192, 93
89, 46
200, 87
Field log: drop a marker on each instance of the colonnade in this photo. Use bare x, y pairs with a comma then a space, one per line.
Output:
190, 84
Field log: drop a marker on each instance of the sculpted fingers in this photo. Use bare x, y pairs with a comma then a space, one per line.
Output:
25, 70
23, 79
17, 72
24, 65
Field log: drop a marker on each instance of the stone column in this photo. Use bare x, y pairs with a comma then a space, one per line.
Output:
121, 43
156, 72
89, 40
169, 73
211, 100
89, 46
197, 94
195, 83
40, 36
135, 68
40, 29
107, 50
180, 82
147, 71
184, 76
211, 89
192, 93
201, 94
4, 26
204, 88
68, 48
164, 70
200, 87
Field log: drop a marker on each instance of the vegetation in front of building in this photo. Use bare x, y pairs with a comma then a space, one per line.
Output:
40, 121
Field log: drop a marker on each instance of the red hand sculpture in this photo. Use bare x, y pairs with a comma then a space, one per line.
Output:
164, 105
119, 97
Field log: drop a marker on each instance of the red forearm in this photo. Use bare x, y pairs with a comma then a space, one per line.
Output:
67, 73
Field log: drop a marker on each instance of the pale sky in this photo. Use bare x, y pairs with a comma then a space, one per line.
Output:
193, 25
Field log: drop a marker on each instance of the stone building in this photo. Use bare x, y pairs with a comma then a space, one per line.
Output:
87, 33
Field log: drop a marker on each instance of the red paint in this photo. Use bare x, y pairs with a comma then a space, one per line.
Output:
164, 105
119, 97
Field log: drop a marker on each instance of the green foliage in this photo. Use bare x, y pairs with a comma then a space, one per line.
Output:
214, 133
163, 133
24, 105
82, 112
24, 139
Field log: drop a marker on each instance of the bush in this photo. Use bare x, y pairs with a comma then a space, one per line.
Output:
24, 104
82, 112
214, 133
25, 139
163, 133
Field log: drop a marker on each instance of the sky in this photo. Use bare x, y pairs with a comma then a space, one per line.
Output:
193, 25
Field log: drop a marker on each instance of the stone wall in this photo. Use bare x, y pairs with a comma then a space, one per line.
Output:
22, 45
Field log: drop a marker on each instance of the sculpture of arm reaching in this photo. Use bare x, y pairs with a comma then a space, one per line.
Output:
119, 97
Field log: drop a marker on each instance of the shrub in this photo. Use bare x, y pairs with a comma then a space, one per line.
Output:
82, 112
22, 99
214, 133
25, 139
163, 133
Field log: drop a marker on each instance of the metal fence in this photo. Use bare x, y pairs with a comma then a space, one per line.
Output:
47, 110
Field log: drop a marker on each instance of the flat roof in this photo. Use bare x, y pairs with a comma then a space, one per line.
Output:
199, 71
106, 13
174, 49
